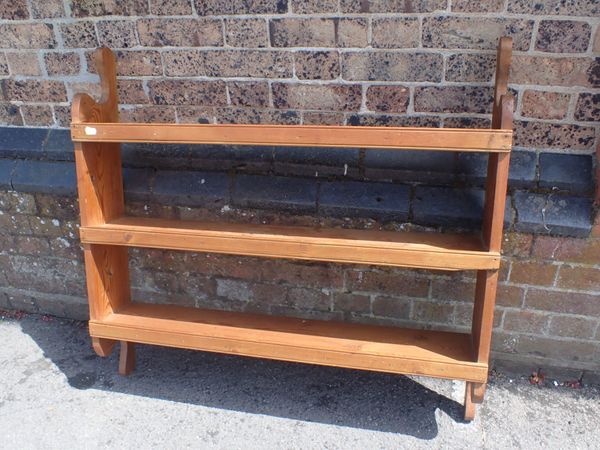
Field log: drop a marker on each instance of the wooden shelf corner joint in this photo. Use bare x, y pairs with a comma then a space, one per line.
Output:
106, 234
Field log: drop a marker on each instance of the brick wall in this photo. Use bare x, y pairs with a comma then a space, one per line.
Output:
423, 62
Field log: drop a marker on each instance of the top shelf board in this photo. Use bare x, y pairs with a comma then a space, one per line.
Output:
441, 139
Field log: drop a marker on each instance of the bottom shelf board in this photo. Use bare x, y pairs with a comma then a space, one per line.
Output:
383, 349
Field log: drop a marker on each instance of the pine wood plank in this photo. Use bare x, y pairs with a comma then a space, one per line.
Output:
386, 349
406, 249
450, 139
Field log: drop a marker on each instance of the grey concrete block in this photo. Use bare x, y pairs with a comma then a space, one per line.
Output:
447, 206
137, 183
377, 200
472, 167
20, 142
411, 165
284, 193
191, 188
6, 169
553, 214
317, 156
59, 146
572, 173
47, 177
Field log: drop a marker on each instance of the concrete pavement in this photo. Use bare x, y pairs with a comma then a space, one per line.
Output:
56, 393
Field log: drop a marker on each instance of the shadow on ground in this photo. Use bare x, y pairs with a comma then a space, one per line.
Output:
308, 393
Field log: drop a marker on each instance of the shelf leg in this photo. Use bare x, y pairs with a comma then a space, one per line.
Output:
126, 358
478, 392
103, 347
469, 404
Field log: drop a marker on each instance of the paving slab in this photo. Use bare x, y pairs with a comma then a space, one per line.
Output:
55, 393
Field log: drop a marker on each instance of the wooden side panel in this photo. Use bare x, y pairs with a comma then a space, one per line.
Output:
100, 188
483, 313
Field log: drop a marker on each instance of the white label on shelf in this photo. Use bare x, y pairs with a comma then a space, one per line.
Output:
90, 131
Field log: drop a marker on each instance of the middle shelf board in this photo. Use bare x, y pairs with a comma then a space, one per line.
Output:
388, 248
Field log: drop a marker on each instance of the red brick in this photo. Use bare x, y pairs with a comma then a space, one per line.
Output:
560, 71
395, 33
551, 135
454, 99
533, 272
478, 6
171, 7
314, 6
563, 302
222, 7
575, 327
567, 249
317, 65
323, 118
545, 105
424, 311
554, 7
526, 321
229, 63
131, 92
388, 98
116, 33
386, 6
34, 90
463, 316
27, 35
475, 32
62, 63
254, 116
248, 93
195, 114
508, 295
25, 63
391, 66
187, 92
351, 33
10, 114
180, 32
587, 107
596, 46
314, 96
394, 308
142, 114
309, 32
470, 67
95, 8
563, 36
454, 290
314, 300
517, 244
3, 64
351, 303
79, 34
246, 32
47, 9
581, 278
37, 115
388, 282
14, 10
131, 63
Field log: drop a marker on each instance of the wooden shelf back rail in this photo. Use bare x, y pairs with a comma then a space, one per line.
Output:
106, 233
441, 139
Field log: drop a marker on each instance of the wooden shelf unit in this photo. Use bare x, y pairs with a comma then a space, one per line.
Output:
106, 232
